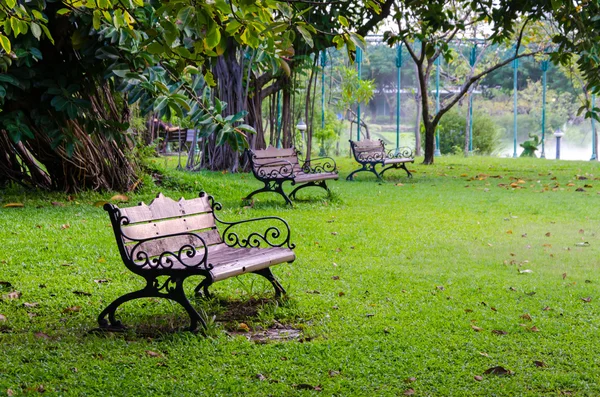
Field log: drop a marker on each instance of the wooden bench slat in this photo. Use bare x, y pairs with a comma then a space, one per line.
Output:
275, 160
398, 160
140, 231
235, 261
163, 207
302, 177
274, 152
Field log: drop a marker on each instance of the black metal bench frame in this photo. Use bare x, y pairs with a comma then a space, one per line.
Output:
178, 262
274, 173
395, 159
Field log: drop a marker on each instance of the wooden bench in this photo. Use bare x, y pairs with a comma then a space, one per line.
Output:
274, 166
370, 153
179, 239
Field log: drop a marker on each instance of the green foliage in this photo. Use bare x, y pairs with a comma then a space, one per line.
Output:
327, 136
352, 89
452, 128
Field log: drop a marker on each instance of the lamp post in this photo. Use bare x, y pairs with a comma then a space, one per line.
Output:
558, 134
301, 126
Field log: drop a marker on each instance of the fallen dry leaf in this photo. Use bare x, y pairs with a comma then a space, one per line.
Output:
499, 332
119, 197
333, 373
243, 327
478, 378
409, 392
468, 311
82, 293
525, 271
335, 277
12, 295
32, 304
498, 370
57, 204
526, 316
410, 380
41, 335
65, 226
152, 354
476, 328
101, 280
587, 300
546, 308
10, 392
341, 293
540, 364
14, 205
533, 329
2, 318
564, 275
72, 309
548, 234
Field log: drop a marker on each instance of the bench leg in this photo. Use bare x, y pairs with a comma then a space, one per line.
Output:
152, 290
320, 184
366, 167
397, 166
203, 286
268, 274
271, 186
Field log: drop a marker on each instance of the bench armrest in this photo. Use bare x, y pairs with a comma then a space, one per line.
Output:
319, 165
276, 233
279, 169
403, 152
144, 252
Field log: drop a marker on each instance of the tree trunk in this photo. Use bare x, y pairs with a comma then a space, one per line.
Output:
429, 143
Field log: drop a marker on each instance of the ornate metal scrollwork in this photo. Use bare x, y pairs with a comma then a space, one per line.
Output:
280, 169
371, 156
167, 259
272, 236
168, 285
403, 152
323, 164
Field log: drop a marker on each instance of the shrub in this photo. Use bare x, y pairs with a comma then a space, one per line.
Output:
452, 133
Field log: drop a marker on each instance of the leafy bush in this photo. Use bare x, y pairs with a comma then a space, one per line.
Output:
452, 133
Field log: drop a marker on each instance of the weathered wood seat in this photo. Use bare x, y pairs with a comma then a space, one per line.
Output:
274, 166
369, 153
179, 239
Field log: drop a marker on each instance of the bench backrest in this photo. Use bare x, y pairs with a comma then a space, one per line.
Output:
133, 226
273, 161
368, 150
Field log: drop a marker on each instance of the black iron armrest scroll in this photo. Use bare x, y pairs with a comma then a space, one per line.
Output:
319, 165
190, 255
403, 152
273, 236
279, 169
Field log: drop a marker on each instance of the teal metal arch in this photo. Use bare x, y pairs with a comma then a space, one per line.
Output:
544, 66
359, 56
398, 96
437, 105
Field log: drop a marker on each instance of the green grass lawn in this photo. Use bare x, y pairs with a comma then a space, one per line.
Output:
411, 286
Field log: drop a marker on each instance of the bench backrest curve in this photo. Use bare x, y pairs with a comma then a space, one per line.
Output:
163, 226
